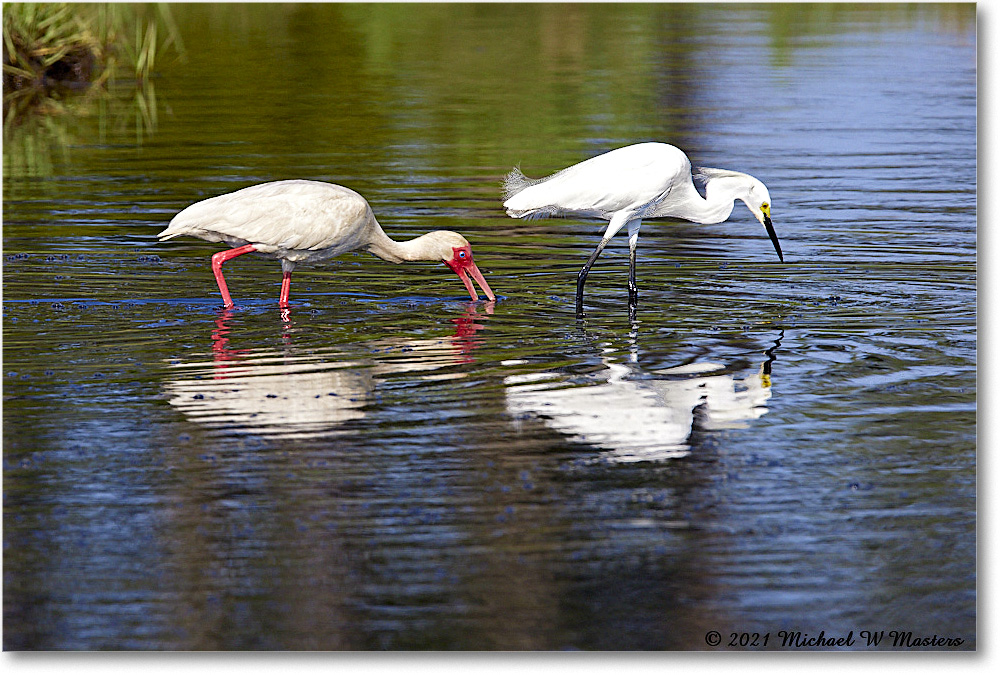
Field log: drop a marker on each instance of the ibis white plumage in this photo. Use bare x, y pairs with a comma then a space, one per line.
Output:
624, 186
304, 221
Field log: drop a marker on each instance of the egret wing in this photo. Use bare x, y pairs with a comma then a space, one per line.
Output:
629, 178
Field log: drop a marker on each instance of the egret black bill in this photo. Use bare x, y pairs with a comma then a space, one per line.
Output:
774, 237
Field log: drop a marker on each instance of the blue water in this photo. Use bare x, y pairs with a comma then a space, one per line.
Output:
761, 447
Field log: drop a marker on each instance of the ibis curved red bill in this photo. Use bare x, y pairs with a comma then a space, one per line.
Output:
463, 265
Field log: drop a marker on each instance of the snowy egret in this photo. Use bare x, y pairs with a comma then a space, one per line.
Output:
304, 221
623, 186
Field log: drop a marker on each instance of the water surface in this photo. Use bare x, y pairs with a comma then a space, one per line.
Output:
761, 447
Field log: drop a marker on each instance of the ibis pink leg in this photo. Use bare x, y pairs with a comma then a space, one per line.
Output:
217, 260
286, 287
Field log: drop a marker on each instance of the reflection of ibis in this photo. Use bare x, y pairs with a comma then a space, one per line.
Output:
304, 221
308, 395
272, 394
640, 419
647, 180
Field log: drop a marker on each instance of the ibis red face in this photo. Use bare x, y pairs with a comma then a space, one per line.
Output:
461, 263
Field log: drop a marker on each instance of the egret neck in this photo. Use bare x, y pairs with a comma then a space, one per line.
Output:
715, 207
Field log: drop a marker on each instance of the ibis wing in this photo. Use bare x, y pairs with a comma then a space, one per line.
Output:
284, 215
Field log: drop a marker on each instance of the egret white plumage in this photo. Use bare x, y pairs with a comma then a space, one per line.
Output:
624, 186
304, 221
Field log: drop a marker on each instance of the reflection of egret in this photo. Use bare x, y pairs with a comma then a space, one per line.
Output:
304, 221
641, 419
646, 180
280, 393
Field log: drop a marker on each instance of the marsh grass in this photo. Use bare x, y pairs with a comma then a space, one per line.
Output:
64, 63
55, 50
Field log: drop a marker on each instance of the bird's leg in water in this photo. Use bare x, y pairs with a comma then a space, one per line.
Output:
286, 287
217, 260
287, 267
633, 240
617, 222
633, 290
582, 278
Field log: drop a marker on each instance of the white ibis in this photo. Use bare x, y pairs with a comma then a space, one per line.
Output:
304, 221
623, 186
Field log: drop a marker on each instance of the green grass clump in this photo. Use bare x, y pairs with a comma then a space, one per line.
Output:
53, 49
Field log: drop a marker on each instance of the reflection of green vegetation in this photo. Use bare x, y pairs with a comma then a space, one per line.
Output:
63, 61
510, 80
454, 85
789, 24
53, 48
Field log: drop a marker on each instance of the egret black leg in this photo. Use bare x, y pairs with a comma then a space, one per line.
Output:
582, 278
633, 241
633, 290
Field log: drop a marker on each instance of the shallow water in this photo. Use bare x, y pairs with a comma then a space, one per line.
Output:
761, 447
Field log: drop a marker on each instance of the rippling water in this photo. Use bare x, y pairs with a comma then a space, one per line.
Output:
761, 447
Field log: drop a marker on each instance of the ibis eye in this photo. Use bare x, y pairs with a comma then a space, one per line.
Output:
461, 254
